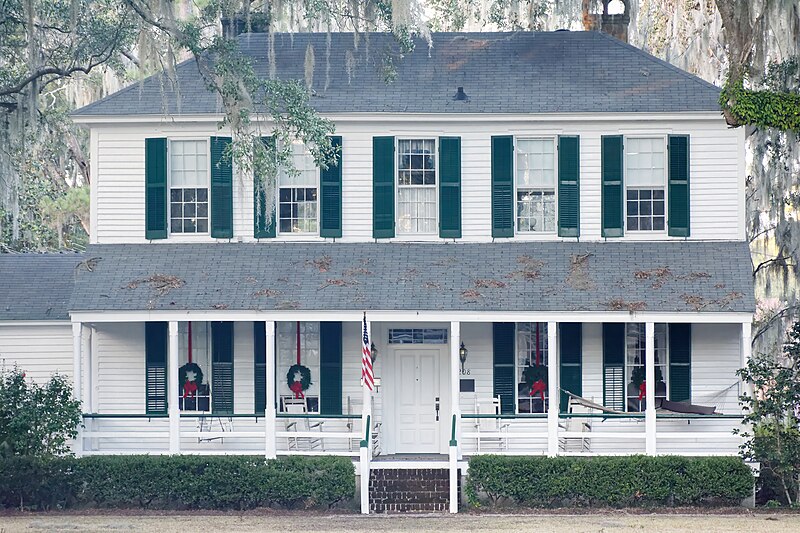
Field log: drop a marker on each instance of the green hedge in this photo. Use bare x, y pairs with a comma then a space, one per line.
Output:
175, 482
608, 481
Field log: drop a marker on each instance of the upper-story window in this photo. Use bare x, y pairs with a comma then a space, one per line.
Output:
416, 186
645, 178
536, 185
298, 204
188, 186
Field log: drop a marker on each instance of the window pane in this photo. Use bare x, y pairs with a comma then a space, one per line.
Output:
535, 162
645, 210
536, 210
416, 178
644, 160
188, 164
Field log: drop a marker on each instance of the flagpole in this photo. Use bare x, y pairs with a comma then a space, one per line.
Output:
367, 393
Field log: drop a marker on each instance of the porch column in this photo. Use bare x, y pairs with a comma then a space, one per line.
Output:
77, 360
269, 405
553, 389
650, 388
172, 391
747, 352
455, 408
365, 446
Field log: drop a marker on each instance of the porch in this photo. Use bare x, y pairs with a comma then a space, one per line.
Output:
425, 397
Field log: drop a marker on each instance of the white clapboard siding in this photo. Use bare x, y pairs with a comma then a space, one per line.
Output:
716, 192
40, 350
243, 368
119, 375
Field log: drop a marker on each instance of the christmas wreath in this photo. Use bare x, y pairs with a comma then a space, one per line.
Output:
637, 376
536, 379
190, 376
297, 387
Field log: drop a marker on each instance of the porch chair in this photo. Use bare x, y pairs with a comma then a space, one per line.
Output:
375, 433
493, 429
298, 406
580, 444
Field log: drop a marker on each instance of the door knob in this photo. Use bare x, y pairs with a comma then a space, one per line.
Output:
437, 408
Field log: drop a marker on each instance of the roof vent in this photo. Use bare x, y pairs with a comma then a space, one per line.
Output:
461, 95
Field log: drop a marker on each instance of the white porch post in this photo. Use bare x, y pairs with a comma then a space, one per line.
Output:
77, 360
650, 388
172, 391
747, 351
553, 389
365, 452
455, 408
270, 450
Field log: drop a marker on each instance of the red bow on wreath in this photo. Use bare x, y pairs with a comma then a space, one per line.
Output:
539, 387
189, 389
297, 389
642, 391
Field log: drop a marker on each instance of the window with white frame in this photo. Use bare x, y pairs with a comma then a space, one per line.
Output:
298, 205
194, 374
645, 179
635, 364
536, 185
416, 186
531, 366
188, 186
287, 334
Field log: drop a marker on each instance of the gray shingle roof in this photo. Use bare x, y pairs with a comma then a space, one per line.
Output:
522, 72
542, 276
36, 286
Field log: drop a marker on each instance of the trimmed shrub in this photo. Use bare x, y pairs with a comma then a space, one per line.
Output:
175, 482
608, 481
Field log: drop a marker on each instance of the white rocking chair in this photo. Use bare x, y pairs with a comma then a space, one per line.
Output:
489, 428
298, 406
581, 444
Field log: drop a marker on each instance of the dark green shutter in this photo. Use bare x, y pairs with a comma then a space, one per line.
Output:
680, 362
330, 362
614, 366
260, 366
383, 187
569, 169
612, 185
503, 362
155, 192
263, 208
222, 368
156, 346
450, 187
503, 186
221, 189
330, 179
571, 359
678, 198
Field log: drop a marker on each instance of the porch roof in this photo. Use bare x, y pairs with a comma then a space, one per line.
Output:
36, 286
515, 276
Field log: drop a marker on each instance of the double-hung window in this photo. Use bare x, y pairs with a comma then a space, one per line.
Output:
645, 178
298, 198
635, 364
416, 187
531, 367
535, 185
188, 186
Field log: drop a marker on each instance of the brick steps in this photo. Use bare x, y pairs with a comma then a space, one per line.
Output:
405, 490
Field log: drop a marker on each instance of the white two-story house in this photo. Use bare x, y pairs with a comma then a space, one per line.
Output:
545, 230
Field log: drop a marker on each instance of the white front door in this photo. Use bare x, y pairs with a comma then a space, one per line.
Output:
417, 386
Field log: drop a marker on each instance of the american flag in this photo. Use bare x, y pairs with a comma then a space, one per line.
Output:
366, 359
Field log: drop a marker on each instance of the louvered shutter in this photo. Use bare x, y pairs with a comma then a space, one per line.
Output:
263, 207
155, 192
503, 364
383, 187
614, 366
221, 189
612, 185
680, 362
502, 186
330, 180
330, 385
450, 187
222, 368
569, 186
260, 366
571, 359
678, 198
156, 345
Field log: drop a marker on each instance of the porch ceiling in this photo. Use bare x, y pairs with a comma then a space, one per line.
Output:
541, 276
